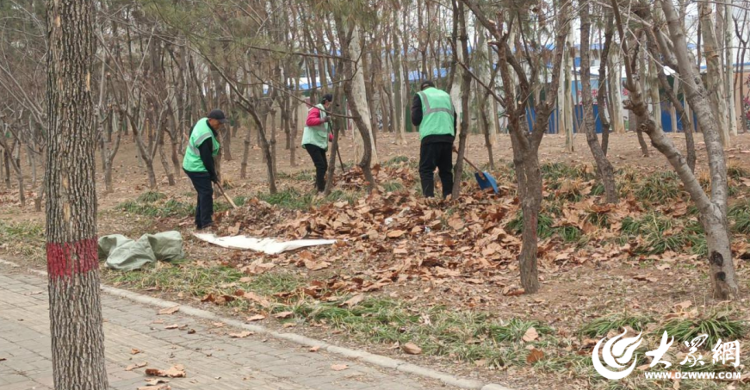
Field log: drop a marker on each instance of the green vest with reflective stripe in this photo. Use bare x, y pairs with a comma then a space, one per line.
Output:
437, 113
317, 135
201, 132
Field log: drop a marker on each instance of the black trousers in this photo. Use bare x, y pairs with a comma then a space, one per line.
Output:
318, 156
440, 155
204, 210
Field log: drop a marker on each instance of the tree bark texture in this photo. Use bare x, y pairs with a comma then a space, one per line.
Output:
603, 166
72, 259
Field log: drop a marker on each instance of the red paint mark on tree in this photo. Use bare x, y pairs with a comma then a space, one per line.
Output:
68, 259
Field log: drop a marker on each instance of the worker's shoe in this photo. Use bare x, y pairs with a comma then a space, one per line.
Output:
208, 229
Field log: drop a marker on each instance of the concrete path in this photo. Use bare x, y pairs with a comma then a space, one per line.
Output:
211, 358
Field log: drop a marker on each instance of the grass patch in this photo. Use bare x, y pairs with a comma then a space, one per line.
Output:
659, 187
440, 331
198, 281
556, 171
393, 186
150, 197
289, 198
739, 214
737, 172
158, 208
544, 227
28, 238
717, 326
601, 326
395, 161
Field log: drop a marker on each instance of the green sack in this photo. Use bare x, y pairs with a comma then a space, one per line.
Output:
122, 253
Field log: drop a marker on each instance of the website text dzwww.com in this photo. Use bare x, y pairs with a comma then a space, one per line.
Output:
724, 375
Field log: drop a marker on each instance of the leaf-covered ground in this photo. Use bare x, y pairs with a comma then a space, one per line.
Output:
444, 277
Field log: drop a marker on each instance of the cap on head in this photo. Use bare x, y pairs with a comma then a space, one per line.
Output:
426, 84
326, 98
218, 115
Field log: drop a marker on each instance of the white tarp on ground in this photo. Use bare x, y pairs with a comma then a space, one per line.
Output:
267, 245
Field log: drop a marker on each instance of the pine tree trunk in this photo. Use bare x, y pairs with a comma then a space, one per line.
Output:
72, 260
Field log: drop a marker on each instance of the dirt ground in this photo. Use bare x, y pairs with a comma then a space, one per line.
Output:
570, 296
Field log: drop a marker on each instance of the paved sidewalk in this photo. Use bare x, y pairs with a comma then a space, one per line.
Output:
212, 359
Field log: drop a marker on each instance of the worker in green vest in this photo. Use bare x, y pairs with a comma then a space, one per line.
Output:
432, 110
315, 139
198, 164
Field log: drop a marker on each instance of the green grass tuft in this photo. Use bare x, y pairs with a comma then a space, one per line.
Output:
601, 326
717, 326
150, 197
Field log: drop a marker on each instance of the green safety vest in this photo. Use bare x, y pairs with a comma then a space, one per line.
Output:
437, 113
317, 135
201, 132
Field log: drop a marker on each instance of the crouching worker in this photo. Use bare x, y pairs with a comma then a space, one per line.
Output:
198, 164
315, 139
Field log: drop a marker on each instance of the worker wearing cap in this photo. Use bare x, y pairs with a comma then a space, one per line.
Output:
432, 110
198, 163
315, 139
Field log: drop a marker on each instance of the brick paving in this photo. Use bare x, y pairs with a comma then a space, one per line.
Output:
212, 359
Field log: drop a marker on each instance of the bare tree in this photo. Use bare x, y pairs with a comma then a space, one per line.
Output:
526, 143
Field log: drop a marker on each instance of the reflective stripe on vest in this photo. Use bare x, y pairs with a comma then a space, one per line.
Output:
198, 141
431, 110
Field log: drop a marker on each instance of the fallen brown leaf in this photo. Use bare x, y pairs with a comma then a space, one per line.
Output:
283, 314
156, 381
135, 351
353, 301
411, 349
339, 367
534, 356
395, 233
176, 371
173, 326
170, 310
251, 296
241, 335
530, 335
136, 365
315, 348
313, 265
256, 317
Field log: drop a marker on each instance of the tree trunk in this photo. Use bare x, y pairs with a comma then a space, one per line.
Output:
359, 99
728, 66
246, 152
603, 166
354, 90
567, 105
72, 260
398, 90
714, 81
615, 91
6, 158
601, 96
712, 211
461, 46
167, 167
